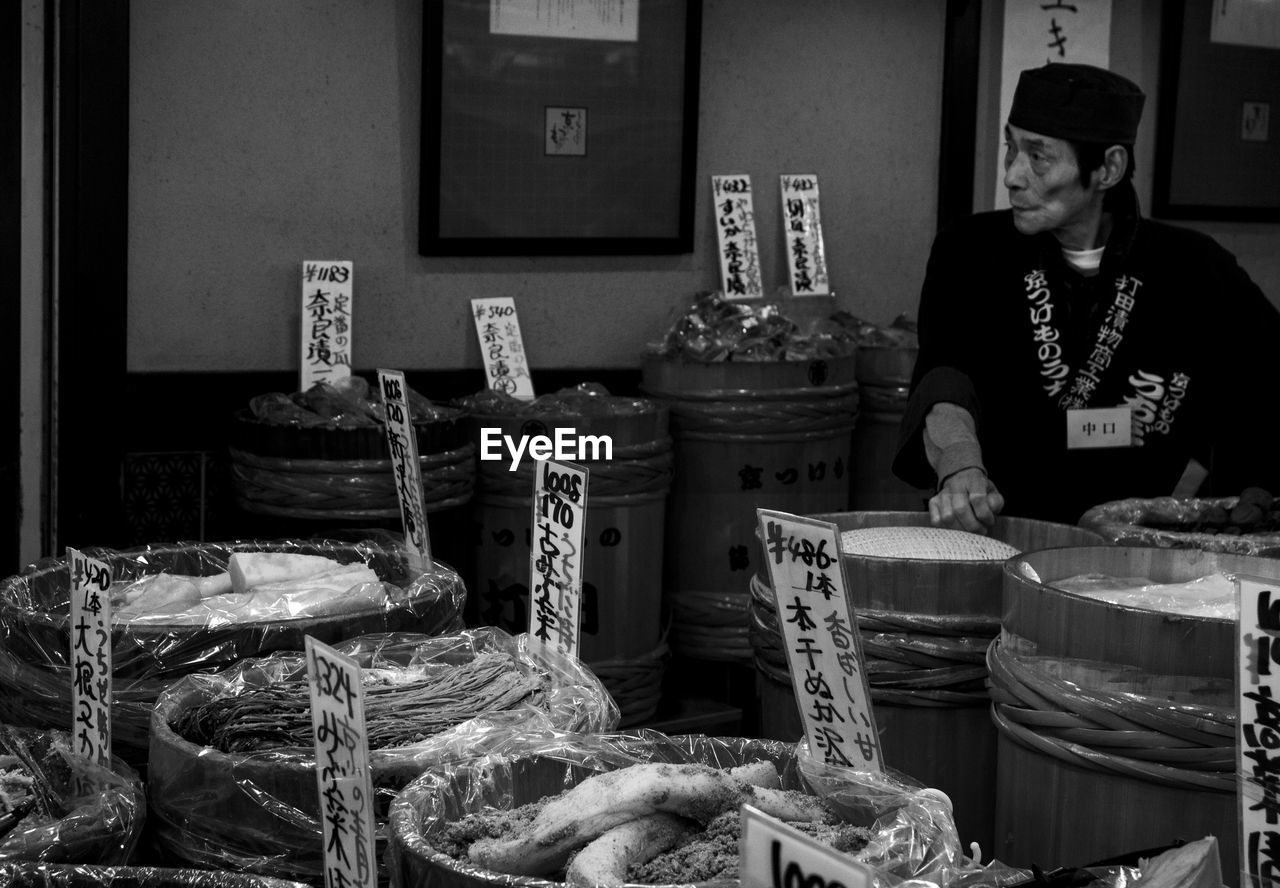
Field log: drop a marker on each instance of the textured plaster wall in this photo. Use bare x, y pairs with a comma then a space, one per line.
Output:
263, 134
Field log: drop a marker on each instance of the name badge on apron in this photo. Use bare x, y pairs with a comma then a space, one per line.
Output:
1098, 427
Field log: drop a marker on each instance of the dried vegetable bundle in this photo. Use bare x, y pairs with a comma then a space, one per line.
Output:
399, 709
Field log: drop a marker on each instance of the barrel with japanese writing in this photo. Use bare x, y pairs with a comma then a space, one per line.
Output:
925, 625
748, 435
884, 383
1110, 706
627, 485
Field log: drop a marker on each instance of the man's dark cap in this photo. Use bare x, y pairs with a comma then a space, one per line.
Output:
1078, 102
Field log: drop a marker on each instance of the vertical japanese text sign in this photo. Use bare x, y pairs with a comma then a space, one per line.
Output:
343, 779
505, 364
555, 556
1258, 732
326, 322
402, 442
772, 854
740, 276
824, 650
90, 657
802, 236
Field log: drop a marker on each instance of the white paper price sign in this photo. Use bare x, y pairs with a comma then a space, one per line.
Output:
555, 555
506, 368
774, 855
802, 234
740, 276
402, 442
326, 321
343, 779
1258, 731
90, 657
824, 650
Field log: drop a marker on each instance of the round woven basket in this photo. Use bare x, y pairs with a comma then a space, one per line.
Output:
1171, 523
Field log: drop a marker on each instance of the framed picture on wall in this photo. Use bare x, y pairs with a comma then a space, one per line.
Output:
559, 128
1217, 139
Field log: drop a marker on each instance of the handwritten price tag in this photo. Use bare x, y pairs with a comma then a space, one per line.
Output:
402, 442
505, 365
824, 650
802, 234
555, 557
326, 321
343, 778
90, 657
774, 855
740, 276
1258, 729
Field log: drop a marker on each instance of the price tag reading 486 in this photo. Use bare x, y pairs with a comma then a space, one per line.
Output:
824, 649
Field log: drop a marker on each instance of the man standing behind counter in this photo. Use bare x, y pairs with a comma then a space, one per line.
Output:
1069, 302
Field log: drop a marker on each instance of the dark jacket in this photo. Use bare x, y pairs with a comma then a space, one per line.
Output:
1196, 355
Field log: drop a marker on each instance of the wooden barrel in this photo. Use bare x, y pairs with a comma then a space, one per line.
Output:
1116, 723
621, 631
884, 384
924, 624
35, 673
774, 435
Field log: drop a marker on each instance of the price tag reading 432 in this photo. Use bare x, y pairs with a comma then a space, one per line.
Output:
343, 778
402, 441
824, 649
90, 657
555, 556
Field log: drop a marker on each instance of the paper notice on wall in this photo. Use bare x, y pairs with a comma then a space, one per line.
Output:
1245, 22
580, 19
736, 237
326, 322
1038, 32
802, 236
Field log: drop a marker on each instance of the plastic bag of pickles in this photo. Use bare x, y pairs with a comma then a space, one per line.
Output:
60, 808
716, 329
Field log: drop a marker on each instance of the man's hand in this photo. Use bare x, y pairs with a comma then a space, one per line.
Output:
967, 501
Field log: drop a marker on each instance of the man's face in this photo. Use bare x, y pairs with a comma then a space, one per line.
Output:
1045, 192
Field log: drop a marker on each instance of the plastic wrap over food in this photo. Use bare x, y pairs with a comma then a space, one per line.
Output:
232, 770
716, 329
910, 829
186, 607
342, 404
1248, 524
60, 808
584, 399
54, 875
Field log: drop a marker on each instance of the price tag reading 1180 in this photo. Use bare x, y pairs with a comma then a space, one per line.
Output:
824, 649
